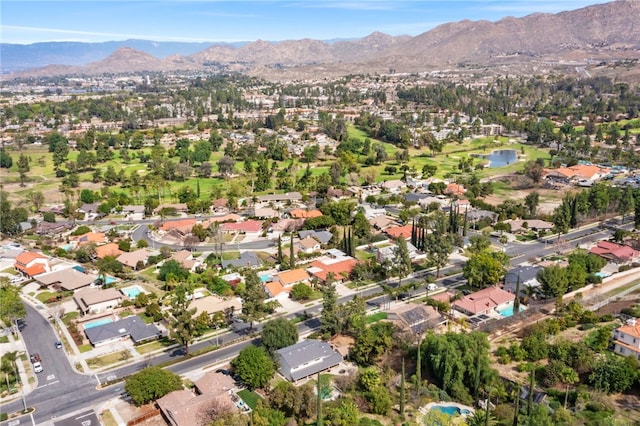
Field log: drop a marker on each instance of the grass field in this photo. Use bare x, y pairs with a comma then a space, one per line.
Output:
42, 175
376, 317
250, 398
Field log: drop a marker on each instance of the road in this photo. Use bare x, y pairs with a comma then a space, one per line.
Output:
61, 391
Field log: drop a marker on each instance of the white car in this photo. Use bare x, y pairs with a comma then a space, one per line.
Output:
37, 367
432, 287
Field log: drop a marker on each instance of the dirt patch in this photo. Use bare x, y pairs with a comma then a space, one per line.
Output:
549, 198
616, 307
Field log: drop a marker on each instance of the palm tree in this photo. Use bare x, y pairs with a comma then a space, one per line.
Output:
479, 418
568, 376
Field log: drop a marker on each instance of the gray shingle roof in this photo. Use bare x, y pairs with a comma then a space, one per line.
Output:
247, 259
132, 326
319, 355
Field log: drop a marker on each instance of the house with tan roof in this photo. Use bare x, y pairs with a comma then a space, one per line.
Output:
519, 225
179, 207
186, 260
133, 259
416, 318
109, 249
393, 186
626, 339
251, 227
93, 300
88, 238
292, 277
212, 304
30, 264
188, 408
483, 301
66, 279
308, 245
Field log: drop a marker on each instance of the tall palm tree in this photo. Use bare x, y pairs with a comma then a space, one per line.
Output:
568, 377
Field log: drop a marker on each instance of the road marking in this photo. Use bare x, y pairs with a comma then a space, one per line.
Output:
51, 377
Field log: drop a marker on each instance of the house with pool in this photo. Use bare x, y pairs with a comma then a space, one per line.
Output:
484, 301
92, 300
106, 330
69, 279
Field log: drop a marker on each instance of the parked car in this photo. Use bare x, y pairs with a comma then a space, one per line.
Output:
58, 344
35, 358
432, 287
37, 367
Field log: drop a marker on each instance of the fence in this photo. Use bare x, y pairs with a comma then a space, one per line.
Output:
509, 322
145, 416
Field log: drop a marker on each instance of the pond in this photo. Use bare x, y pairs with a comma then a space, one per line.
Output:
500, 158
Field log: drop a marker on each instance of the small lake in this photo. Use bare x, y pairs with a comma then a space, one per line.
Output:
500, 158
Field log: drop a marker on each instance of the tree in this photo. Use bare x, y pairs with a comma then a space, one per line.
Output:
300, 292
438, 247
184, 325
173, 270
253, 298
151, 383
278, 333
329, 321
36, 199
402, 390
402, 260
613, 374
371, 343
554, 280
11, 306
568, 377
5, 160
254, 366
226, 165
292, 255
485, 268
23, 168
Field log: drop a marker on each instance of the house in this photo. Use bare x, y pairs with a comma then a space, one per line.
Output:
289, 197
30, 264
186, 260
308, 245
527, 275
131, 327
247, 259
287, 225
626, 339
213, 304
133, 212
382, 222
89, 210
110, 249
53, 229
134, 259
229, 217
389, 253
304, 214
416, 318
88, 238
275, 289
183, 226
323, 237
483, 301
454, 190
185, 407
265, 212
306, 358
179, 207
292, 277
400, 231
220, 205
394, 186
519, 225
577, 173
66, 279
613, 252
95, 300
340, 267
247, 227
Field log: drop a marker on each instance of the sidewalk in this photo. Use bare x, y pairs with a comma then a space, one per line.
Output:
17, 345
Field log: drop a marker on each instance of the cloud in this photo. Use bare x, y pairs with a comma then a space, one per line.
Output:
93, 34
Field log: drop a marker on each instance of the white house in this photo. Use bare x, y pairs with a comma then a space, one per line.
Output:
626, 339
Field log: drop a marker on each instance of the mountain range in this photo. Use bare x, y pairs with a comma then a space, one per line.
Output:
603, 32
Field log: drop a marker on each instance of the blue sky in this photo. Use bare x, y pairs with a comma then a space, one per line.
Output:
29, 21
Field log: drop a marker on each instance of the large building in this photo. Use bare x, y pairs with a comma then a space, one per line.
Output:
307, 358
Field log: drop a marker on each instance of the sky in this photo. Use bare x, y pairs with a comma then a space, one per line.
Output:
32, 21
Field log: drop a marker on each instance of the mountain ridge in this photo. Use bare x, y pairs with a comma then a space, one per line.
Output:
600, 32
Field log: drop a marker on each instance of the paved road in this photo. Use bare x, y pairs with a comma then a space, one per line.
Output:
61, 391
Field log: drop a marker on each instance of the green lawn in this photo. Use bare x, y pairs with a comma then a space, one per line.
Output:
376, 317
45, 295
250, 398
154, 346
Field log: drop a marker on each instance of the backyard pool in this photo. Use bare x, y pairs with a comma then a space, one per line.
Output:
451, 410
130, 292
109, 280
506, 312
97, 323
80, 268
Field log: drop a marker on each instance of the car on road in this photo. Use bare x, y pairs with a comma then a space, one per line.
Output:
58, 344
432, 287
37, 367
403, 296
35, 358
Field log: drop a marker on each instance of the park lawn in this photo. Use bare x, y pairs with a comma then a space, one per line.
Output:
250, 398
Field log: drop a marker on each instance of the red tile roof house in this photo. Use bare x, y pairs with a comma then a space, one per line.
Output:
247, 227
613, 252
483, 301
30, 264
183, 226
292, 277
399, 231
304, 214
341, 269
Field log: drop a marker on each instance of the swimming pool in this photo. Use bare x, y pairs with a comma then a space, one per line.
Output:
265, 278
602, 274
79, 268
109, 280
450, 410
506, 312
67, 247
130, 292
97, 323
